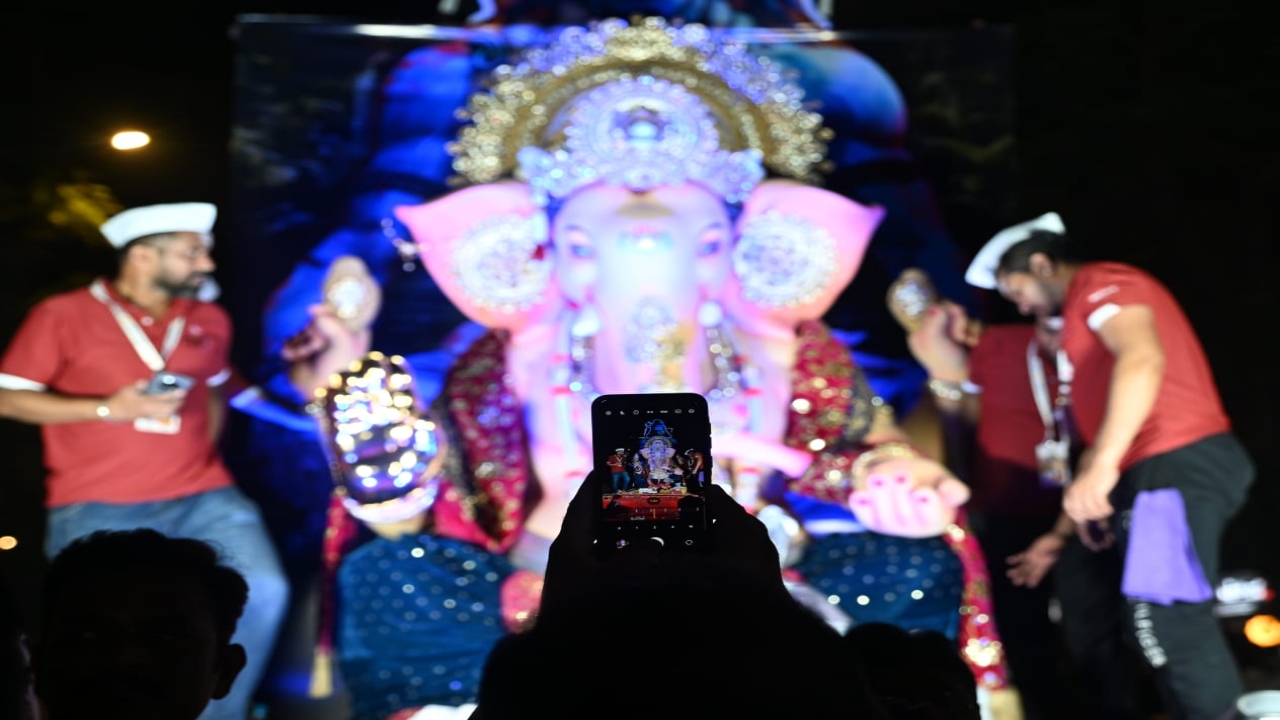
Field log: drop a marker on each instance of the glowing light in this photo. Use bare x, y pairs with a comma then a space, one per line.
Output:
1261, 630
130, 140
8, 542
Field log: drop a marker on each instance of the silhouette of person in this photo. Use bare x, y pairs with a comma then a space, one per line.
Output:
137, 625
720, 611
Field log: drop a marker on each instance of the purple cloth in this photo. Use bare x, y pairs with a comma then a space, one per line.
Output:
1161, 565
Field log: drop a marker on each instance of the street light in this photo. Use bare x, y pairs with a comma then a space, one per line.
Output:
130, 140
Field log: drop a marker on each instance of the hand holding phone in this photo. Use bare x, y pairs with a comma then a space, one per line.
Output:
734, 540
653, 453
137, 401
167, 382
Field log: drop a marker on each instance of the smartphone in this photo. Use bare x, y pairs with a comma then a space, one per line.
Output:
163, 382
653, 453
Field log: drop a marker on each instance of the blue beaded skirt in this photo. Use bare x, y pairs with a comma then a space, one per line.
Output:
417, 618
915, 584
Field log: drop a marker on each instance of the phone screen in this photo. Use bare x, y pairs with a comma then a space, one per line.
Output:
653, 453
163, 382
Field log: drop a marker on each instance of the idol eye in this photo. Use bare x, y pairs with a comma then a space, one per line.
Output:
579, 245
710, 241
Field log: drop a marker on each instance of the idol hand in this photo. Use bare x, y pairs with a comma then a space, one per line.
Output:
326, 346
909, 497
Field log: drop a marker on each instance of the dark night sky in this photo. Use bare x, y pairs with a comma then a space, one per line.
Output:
1149, 126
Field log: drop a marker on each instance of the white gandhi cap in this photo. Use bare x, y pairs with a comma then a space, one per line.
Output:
153, 219
982, 271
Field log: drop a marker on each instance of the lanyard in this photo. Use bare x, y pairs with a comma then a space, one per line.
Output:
1040, 387
155, 359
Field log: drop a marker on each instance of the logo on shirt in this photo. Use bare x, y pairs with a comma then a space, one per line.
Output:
1099, 295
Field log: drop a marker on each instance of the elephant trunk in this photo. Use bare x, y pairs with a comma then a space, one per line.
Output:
648, 337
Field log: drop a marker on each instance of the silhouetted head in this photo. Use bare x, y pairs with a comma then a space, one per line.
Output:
915, 675
16, 701
138, 625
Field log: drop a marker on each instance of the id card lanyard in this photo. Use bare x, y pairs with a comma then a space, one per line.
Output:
156, 359
1052, 413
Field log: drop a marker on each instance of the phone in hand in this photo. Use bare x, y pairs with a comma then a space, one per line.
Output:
653, 453
163, 382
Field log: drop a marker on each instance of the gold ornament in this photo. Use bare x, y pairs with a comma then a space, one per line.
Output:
753, 101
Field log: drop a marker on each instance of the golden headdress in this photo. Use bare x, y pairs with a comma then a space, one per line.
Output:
640, 105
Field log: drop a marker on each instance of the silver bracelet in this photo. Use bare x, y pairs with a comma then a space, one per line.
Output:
947, 390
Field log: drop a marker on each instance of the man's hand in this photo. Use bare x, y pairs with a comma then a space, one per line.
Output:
130, 403
1096, 536
942, 342
1087, 497
1028, 568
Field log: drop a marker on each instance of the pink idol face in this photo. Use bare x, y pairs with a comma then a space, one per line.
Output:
671, 242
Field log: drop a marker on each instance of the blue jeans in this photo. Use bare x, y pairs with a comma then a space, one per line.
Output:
230, 522
621, 481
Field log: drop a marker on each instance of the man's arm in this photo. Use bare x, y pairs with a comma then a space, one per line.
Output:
226, 385
217, 412
39, 407
42, 407
1129, 333
959, 418
1132, 338
943, 345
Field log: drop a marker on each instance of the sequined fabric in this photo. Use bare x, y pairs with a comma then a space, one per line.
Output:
488, 509
832, 410
419, 617
979, 636
916, 584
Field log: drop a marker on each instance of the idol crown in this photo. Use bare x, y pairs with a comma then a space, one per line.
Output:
640, 105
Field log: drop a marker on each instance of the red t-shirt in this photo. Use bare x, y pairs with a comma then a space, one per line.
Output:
72, 345
1005, 474
1187, 407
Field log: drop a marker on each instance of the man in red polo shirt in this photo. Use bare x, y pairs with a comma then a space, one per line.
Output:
1001, 393
126, 379
1160, 455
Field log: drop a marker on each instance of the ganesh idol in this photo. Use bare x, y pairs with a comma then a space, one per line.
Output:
639, 216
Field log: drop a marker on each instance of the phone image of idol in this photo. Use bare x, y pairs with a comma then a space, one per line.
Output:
653, 454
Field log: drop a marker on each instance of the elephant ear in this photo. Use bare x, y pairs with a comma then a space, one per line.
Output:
487, 248
797, 248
